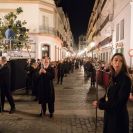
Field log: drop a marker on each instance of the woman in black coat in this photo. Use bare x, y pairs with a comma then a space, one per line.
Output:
114, 103
46, 93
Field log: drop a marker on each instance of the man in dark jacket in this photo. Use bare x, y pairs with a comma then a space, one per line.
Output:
5, 85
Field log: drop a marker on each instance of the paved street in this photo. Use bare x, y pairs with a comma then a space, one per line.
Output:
73, 110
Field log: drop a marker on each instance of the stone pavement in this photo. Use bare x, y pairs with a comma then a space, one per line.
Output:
73, 110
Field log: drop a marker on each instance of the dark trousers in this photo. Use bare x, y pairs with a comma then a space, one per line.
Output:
60, 78
28, 84
7, 93
50, 107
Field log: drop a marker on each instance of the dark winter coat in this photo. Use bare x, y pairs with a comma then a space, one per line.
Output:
5, 73
116, 119
46, 93
60, 69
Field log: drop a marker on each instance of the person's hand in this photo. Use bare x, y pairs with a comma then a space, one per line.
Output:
131, 97
42, 71
94, 104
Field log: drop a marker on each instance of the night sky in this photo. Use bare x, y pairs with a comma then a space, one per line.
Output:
78, 12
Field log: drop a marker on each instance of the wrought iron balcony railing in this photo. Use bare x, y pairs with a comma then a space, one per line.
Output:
51, 31
48, 30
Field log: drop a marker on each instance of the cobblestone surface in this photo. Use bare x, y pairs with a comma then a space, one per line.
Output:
73, 110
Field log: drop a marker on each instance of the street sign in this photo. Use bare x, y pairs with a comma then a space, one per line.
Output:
130, 52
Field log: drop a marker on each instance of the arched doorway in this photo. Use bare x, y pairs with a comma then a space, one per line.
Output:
45, 50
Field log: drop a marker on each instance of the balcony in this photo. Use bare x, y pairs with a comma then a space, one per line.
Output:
103, 4
50, 31
47, 30
107, 19
105, 41
65, 44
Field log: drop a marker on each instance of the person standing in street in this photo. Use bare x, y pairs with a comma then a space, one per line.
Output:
46, 93
5, 85
60, 72
28, 76
114, 102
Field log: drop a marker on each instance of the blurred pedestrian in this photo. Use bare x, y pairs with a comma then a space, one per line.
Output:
60, 72
28, 76
5, 85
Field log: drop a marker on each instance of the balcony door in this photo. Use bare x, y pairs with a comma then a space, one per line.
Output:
45, 50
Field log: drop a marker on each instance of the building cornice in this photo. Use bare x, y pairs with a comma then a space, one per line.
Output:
7, 10
29, 1
48, 35
47, 4
20, 1
46, 10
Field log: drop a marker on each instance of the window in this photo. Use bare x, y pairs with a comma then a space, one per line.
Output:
117, 32
103, 56
45, 21
106, 57
45, 50
120, 50
122, 29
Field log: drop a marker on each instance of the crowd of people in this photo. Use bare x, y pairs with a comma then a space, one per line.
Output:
42, 73
39, 81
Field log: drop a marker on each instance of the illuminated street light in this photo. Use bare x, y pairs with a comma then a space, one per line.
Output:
82, 52
92, 44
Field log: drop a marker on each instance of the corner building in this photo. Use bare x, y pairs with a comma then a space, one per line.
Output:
49, 28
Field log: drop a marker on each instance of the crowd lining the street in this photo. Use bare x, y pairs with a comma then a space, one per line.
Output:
42, 73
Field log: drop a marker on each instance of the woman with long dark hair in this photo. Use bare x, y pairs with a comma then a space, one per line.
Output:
114, 102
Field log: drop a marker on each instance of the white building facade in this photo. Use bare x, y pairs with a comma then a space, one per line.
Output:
46, 26
111, 28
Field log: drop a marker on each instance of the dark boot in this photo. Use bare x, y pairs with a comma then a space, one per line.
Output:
50, 115
12, 110
43, 109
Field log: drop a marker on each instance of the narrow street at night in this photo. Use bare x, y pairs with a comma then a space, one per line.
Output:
73, 110
66, 66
